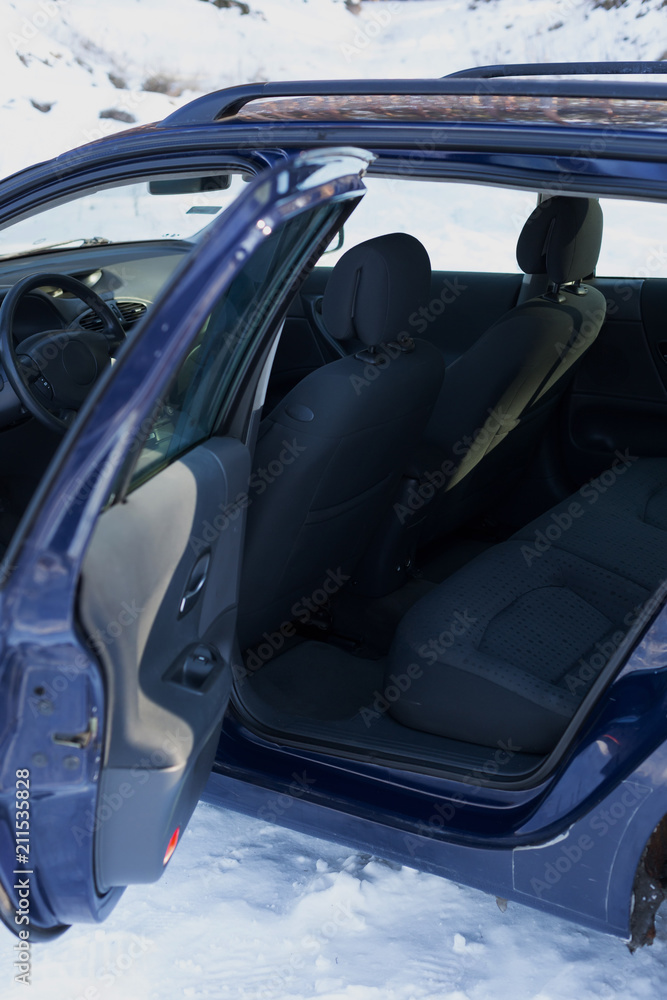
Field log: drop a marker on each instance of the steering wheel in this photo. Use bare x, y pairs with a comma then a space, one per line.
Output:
52, 372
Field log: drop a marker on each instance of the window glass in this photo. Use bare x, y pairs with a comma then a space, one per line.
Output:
175, 208
634, 241
227, 338
464, 227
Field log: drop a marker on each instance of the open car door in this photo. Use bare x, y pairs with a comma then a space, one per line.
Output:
120, 586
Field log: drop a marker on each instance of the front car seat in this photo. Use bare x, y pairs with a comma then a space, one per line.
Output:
497, 397
336, 445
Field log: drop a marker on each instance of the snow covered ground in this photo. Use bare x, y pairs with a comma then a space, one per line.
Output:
247, 910
82, 57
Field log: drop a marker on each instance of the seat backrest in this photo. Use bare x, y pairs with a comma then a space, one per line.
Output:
497, 396
329, 456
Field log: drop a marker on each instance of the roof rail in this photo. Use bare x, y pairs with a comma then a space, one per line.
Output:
559, 69
229, 102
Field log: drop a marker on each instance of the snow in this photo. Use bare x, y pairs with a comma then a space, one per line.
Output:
246, 910
250, 911
64, 52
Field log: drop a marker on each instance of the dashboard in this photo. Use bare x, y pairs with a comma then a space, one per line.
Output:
128, 277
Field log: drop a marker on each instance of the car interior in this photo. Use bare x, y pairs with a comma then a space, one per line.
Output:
457, 512
460, 617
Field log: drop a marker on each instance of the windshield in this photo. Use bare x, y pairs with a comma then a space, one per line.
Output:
158, 209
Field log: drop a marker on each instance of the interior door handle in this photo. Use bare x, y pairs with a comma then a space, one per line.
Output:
195, 584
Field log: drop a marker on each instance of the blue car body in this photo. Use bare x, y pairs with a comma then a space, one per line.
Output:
571, 841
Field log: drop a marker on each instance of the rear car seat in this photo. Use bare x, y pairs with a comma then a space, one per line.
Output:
508, 647
618, 520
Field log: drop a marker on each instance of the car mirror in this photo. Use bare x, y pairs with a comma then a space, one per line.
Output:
191, 185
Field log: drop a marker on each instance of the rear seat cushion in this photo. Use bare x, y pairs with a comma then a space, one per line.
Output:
618, 521
503, 652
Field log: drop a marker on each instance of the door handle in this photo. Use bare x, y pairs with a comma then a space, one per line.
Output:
195, 584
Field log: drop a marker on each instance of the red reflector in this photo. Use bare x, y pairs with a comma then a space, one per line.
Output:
171, 846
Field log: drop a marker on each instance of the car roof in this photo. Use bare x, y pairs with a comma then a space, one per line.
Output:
590, 94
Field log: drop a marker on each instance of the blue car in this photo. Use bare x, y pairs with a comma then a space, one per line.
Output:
334, 447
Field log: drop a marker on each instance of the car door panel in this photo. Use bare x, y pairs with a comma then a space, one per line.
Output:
163, 730
654, 317
127, 601
619, 395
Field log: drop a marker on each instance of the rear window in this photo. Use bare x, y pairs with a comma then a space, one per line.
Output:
464, 227
634, 242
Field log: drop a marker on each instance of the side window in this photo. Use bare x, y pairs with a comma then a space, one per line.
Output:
464, 227
634, 244
176, 207
226, 340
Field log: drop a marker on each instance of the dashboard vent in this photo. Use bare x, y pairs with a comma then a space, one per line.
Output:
90, 321
130, 313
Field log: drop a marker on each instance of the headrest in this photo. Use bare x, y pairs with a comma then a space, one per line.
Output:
562, 239
375, 287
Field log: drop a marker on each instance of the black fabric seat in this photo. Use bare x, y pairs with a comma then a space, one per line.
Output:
531, 642
509, 646
345, 433
497, 397
618, 520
